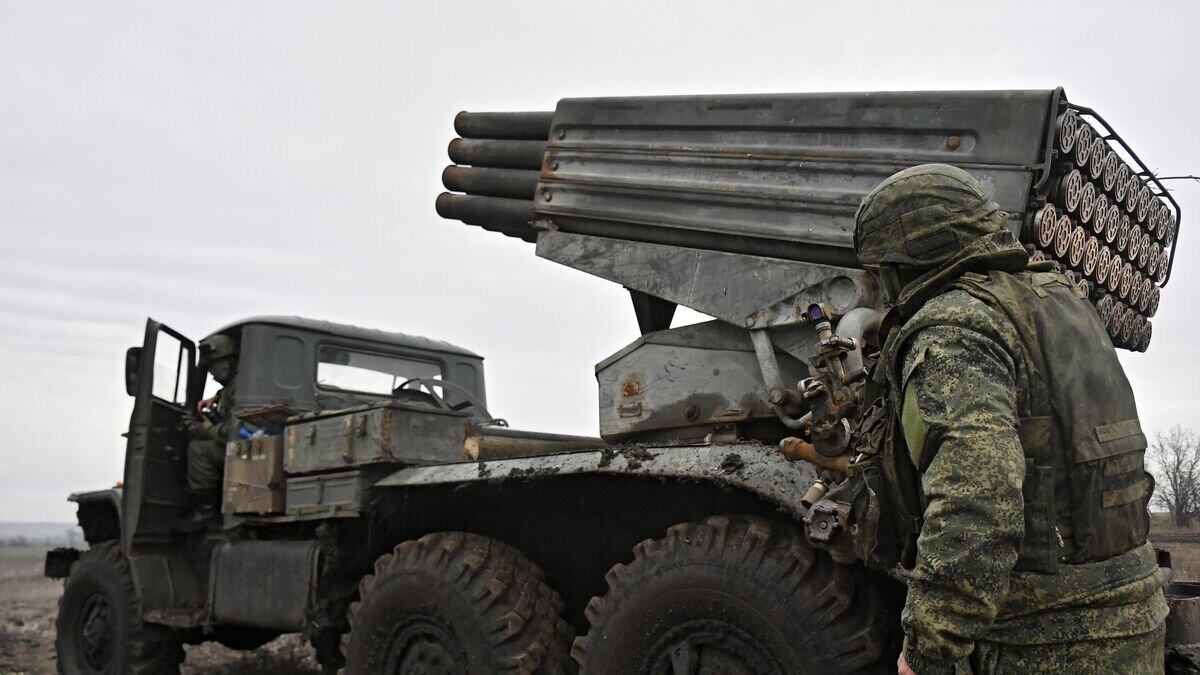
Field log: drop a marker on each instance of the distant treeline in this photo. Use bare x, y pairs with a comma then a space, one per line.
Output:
67, 538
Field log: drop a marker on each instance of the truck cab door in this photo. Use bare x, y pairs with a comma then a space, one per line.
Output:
160, 376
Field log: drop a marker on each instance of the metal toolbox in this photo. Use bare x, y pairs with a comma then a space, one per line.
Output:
254, 477
390, 432
328, 495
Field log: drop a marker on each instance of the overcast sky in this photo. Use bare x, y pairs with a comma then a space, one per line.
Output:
202, 162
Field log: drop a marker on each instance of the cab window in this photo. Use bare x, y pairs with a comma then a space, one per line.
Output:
345, 369
172, 362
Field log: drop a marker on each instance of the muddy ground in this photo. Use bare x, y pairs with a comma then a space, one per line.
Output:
29, 601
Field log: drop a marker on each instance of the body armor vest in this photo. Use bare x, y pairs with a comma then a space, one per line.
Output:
1085, 490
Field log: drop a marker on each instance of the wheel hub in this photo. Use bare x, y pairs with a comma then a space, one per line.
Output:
422, 646
97, 637
710, 647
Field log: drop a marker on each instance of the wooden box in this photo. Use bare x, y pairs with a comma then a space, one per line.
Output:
254, 477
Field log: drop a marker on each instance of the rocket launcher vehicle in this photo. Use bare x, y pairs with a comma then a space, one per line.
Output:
742, 208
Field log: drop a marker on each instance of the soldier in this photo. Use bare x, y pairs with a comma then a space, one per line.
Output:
211, 427
1011, 444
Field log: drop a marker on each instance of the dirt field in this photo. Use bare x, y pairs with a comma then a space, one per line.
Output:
29, 601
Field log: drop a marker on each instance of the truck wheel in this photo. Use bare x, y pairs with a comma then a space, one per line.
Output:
735, 595
453, 603
100, 627
558, 658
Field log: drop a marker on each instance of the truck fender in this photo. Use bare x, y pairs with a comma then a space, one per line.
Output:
753, 467
99, 514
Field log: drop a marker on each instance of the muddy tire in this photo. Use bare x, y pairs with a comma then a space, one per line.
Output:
100, 628
736, 595
558, 658
454, 603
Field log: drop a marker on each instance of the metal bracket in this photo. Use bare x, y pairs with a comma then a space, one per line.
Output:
779, 396
840, 295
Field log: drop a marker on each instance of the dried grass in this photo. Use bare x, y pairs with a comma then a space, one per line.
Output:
1184, 546
29, 605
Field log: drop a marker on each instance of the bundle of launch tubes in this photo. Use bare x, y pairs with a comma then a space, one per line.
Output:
1097, 211
1109, 228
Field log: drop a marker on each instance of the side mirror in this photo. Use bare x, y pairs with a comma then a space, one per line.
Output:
133, 361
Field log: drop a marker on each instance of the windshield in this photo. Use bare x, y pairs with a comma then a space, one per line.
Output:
369, 372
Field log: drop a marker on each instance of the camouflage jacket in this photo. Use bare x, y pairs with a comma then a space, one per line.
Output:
958, 383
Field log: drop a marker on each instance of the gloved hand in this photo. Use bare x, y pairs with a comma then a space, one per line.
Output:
197, 426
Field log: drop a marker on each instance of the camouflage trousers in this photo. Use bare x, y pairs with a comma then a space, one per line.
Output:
205, 466
1136, 655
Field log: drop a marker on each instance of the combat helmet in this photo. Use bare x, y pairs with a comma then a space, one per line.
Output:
925, 218
216, 347
218, 355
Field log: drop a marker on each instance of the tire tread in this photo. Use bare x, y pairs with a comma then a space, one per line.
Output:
517, 608
851, 627
152, 649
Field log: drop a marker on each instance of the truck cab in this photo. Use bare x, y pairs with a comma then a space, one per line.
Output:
286, 367
311, 365
289, 370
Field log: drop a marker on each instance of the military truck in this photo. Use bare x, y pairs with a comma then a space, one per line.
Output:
378, 508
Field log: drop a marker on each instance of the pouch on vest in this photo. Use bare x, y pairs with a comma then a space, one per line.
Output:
1041, 546
881, 507
1110, 485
